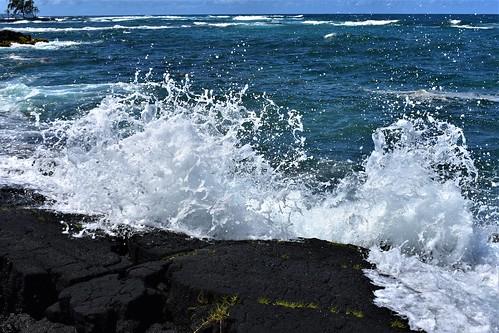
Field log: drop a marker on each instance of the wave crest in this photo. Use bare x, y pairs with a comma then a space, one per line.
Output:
209, 166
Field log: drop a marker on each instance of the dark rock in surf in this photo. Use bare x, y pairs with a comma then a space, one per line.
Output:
161, 245
37, 261
167, 282
9, 37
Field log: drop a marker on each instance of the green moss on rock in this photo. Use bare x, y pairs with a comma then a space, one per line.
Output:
296, 305
356, 313
398, 324
9, 37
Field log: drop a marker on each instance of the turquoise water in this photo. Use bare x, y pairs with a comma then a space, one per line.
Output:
345, 86
364, 129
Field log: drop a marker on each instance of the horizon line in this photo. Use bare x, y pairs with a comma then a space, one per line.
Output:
249, 14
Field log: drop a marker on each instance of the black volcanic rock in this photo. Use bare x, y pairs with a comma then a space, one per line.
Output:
19, 197
37, 260
166, 282
158, 245
7, 37
308, 286
23, 323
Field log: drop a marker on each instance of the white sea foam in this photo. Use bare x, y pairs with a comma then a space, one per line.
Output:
51, 45
16, 58
400, 198
217, 25
329, 36
135, 18
467, 26
18, 99
209, 188
352, 23
457, 24
174, 17
117, 18
27, 21
437, 299
365, 23
191, 162
96, 28
433, 94
251, 18
314, 22
13, 21
423, 215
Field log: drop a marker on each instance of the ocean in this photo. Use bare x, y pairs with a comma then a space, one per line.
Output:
375, 130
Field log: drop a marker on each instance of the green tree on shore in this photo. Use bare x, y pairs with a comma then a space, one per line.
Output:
26, 8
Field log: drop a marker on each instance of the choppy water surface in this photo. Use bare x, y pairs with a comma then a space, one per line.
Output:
371, 130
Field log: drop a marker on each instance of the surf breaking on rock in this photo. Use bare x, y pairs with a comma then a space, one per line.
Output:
167, 157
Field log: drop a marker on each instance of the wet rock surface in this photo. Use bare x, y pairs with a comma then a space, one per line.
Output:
167, 282
9, 37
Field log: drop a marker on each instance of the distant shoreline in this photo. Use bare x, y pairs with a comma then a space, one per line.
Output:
4, 19
8, 20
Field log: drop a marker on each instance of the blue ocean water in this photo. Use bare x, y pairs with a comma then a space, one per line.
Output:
364, 129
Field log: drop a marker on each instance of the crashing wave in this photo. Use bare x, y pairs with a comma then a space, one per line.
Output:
161, 155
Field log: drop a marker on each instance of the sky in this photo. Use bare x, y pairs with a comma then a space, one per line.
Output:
151, 7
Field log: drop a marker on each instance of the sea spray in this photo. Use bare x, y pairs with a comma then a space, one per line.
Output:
408, 195
230, 167
438, 299
165, 156
186, 161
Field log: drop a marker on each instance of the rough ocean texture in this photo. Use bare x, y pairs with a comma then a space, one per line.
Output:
165, 282
372, 130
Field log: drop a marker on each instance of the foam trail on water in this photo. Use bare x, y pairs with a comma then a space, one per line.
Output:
134, 18
51, 45
118, 18
466, 26
218, 24
428, 95
28, 22
315, 22
251, 18
352, 23
114, 27
365, 23
458, 24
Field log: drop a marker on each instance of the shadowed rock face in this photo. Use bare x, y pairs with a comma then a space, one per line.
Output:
167, 282
8, 37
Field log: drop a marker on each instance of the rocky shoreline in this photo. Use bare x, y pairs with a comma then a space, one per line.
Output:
166, 282
9, 37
